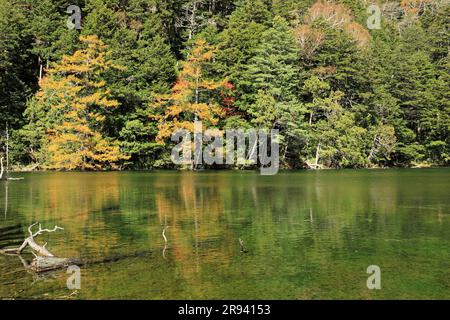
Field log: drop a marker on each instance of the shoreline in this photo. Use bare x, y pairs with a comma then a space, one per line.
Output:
228, 170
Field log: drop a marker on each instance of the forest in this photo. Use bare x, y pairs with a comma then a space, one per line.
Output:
107, 94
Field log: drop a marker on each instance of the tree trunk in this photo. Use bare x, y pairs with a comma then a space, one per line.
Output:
316, 165
7, 147
317, 154
40, 67
372, 150
1, 169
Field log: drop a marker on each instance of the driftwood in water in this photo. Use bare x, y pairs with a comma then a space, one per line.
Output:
314, 166
30, 168
43, 264
44, 259
41, 250
241, 244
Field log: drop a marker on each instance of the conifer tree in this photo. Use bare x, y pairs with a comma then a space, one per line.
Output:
273, 68
74, 104
192, 97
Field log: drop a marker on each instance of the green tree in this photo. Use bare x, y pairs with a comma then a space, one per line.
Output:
241, 39
135, 34
16, 80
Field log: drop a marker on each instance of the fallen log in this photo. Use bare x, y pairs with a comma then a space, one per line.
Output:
29, 168
44, 260
41, 250
44, 264
314, 166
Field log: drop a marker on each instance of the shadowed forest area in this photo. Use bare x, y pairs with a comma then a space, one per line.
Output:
108, 96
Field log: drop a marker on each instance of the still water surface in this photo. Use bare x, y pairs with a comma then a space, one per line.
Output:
309, 235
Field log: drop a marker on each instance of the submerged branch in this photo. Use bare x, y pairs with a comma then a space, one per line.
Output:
165, 242
44, 260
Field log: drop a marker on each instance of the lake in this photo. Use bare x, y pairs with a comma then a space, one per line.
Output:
308, 235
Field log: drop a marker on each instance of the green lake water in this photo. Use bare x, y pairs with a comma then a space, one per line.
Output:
308, 235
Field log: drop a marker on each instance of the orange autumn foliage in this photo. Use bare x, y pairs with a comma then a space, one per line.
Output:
190, 98
414, 7
336, 15
308, 38
359, 33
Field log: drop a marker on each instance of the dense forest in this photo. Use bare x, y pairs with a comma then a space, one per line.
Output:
108, 95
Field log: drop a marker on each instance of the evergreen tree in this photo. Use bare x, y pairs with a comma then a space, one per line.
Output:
16, 79
273, 68
240, 40
270, 86
288, 64
135, 35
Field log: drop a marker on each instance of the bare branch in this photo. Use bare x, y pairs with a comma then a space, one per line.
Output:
41, 250
29, 228
41, 231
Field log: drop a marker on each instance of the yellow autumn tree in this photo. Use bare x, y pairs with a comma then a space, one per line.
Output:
190, 98
77, 101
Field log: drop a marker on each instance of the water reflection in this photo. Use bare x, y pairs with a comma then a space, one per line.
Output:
6, 199
307, 234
